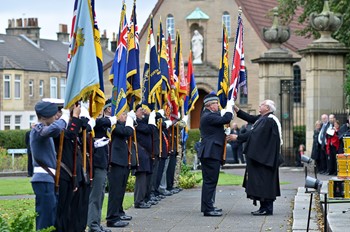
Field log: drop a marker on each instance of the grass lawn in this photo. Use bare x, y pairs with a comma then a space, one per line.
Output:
15, 186
224, 178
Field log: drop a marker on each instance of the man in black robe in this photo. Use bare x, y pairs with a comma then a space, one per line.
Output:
261, 179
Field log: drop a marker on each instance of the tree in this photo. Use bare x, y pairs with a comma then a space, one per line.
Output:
289, 8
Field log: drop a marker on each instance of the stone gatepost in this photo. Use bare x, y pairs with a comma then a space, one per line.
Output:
325, 70
276, 81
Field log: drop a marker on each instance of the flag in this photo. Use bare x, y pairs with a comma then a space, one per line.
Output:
164, 69
238, 74
82, 68
151, 73
118, 70
192, 91
172, 96
179, 73
223, 81
133, 93
98, 96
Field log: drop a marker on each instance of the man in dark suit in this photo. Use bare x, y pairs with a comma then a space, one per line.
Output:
211, 149
119, 170
322, 142
261, 179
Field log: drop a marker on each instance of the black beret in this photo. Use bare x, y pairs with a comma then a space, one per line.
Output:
210, 97
46, 109
107, 104
138, 106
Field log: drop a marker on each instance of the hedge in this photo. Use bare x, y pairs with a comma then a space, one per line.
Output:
14, 139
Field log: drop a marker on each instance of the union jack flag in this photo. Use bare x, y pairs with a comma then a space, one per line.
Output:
238, 73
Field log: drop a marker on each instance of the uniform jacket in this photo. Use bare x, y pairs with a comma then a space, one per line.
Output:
100, 158
144, 133
212, 134
119, 151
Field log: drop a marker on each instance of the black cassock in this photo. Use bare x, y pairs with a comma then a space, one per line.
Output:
261, 179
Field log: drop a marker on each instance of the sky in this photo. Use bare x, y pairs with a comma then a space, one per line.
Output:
51, 13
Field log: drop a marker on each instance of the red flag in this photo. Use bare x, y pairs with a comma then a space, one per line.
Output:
174, 108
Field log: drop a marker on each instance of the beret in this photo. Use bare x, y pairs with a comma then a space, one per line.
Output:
46, 109
138, 106
107, 104
210, 97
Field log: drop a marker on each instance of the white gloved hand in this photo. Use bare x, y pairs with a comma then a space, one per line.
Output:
84, 112
227, 131
152, 118
222, 112
113, 120
229, 106
168, 123
161, 111
129, 122
185, 119
132, 115
92, 123
101, 142
65, 116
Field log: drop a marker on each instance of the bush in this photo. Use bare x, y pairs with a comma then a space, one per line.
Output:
24, 223
13, 139
187, 178
20, 163
299, 136
130, 185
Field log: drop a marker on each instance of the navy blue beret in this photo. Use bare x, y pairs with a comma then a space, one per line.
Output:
210, 97
108, 103
46, 109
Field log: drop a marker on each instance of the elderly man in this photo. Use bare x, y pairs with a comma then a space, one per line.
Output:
261, 181
211, 149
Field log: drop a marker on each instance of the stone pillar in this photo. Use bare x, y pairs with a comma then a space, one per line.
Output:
276, 65
325, 70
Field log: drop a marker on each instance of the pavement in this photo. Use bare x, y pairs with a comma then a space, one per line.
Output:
181, 212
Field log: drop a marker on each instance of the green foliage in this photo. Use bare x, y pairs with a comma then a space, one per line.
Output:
193, 137
20, 162
12, 139
299, 133
187, 178
15, 186
130, 185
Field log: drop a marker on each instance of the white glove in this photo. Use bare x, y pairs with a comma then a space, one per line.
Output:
161, 111
92, 123
65, 116
132, 115
129, 122
101, 142
168, 123
113, 120
229, 106
227, 131
84, 112
185, 119
222, 112
152, 118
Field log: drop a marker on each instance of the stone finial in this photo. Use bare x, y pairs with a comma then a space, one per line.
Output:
276, 34
326, 23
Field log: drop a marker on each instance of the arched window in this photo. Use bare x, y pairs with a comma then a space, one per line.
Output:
226, 19
170, 26
297, 84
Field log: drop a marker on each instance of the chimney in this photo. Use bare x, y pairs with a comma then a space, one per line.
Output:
28, 27
104, 40
62, 34
113, 43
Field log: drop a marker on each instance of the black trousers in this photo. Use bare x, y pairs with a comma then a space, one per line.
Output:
170, 172
323, 161
117, 180
140, 188
210, 175
154, 174
80, 206
65, 197
161, 167
267, 205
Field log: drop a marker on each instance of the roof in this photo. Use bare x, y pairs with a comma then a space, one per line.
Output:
197, 14
19, 52
256, 13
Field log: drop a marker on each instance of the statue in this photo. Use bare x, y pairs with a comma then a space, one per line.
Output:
197, 47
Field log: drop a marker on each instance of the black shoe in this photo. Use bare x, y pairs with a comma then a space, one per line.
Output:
142, 206
125, 217
213, 214
152, 202
217, 209
104, 229
263, 212
155, 199
161, 196
255, 212
117, 224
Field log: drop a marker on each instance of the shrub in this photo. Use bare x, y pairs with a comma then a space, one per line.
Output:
187, 178
130, 185
24, 223
12, 139
20, 162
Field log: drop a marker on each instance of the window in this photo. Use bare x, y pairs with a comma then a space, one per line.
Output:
7, 87
31, 88
18, 122
170, 27
243, 91
17, 86
41, 88
53, 87
7, 122
226, 19
31, 120
297, 84
63, 81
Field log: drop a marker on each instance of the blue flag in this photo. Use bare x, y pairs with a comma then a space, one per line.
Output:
192, 92
82, 69
223, 82
118, 70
